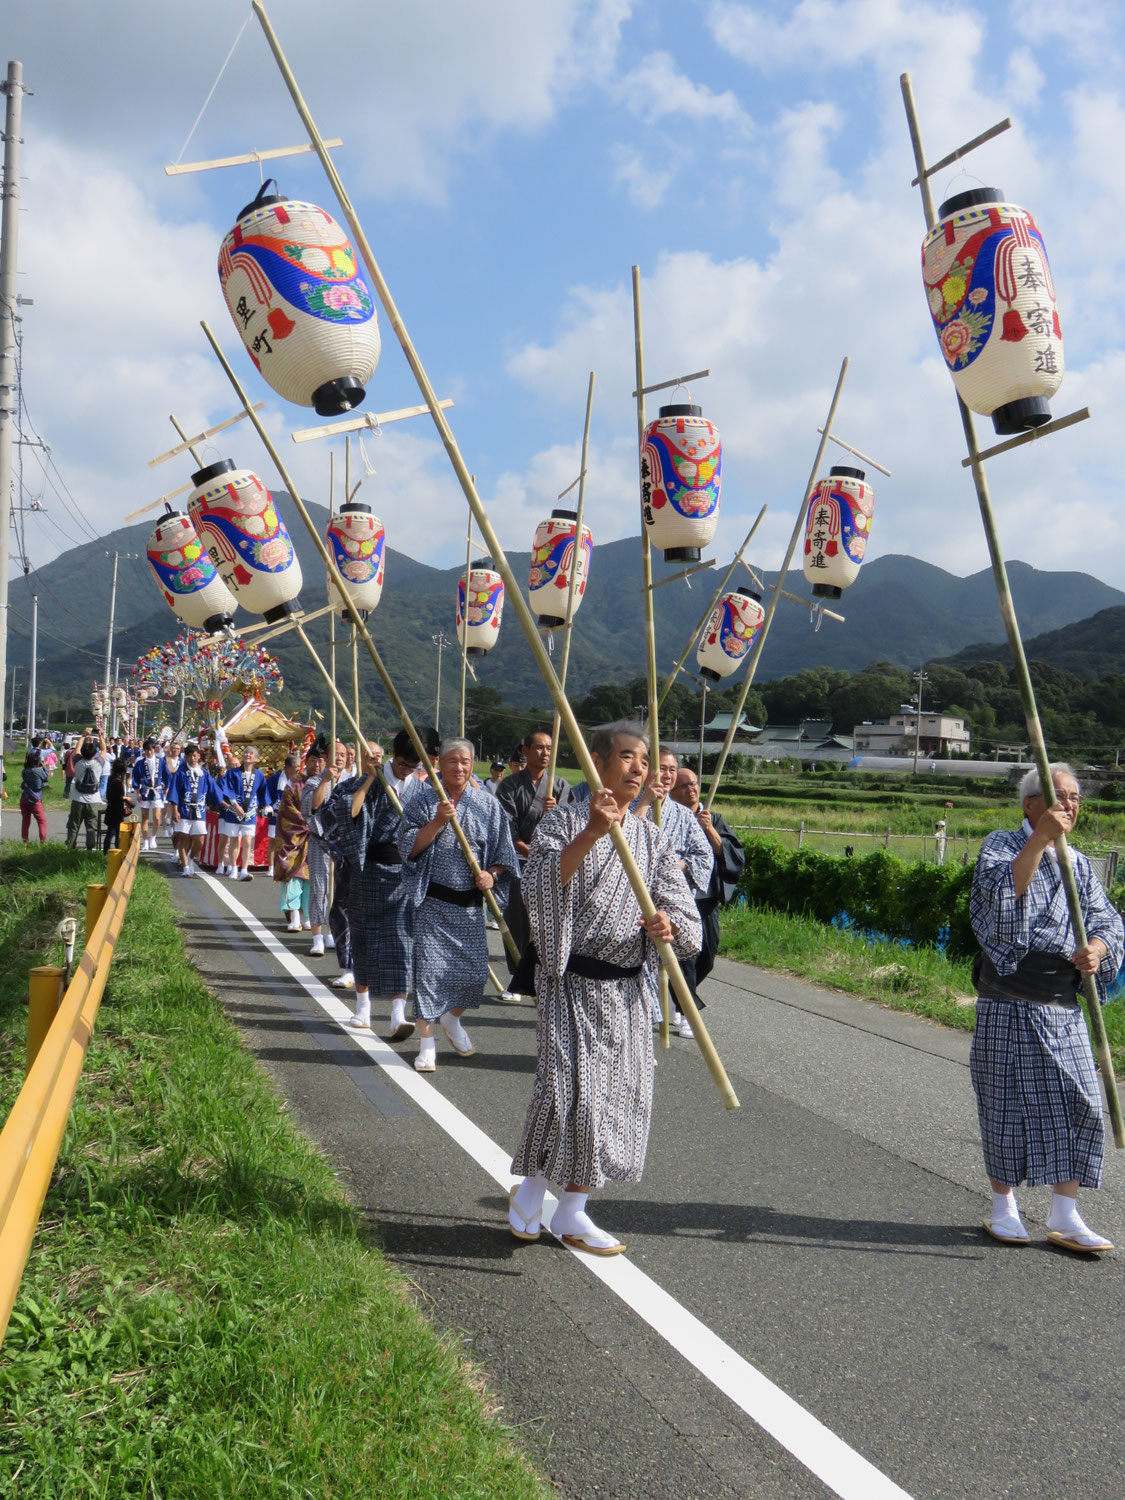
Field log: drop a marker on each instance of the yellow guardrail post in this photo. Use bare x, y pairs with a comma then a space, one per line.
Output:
44, 991
125, 836
95, 900
113, 862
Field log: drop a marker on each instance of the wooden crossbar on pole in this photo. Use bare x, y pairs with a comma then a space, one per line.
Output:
245, 158
513, 590
366, 420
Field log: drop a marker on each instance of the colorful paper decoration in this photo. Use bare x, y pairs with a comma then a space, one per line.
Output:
486, 605
246, 539
552, 558
836, 532
206, 670
186, 575
681, 476
993, 304
729, 633
357, 542
307, 318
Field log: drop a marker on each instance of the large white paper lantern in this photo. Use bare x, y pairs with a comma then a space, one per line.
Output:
992, 300
307, 318
552, 561
478, 622
246, 539
729, 634
186, 575
681, 478
839, 521
357, 542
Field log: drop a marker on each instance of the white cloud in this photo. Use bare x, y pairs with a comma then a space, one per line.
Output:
840, 33
656, 89
646, 185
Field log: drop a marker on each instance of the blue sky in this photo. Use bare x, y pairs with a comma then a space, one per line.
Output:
511, 161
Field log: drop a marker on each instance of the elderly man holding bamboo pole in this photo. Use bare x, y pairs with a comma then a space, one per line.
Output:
1031, 1063
591, 1105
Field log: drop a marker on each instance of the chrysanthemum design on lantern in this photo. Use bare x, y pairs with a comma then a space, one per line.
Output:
681, 481
992, 300
478, 623
552, 559
357, 541
729, 633
246, 539
293, 290
186, 576
841, 512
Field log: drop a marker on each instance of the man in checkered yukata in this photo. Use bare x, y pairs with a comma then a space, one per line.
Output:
1032, 1068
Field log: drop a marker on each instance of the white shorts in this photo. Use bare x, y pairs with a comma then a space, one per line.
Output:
150, 799
193, 827
233, 830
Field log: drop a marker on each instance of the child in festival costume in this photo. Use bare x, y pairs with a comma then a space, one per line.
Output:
150, 792
192, 789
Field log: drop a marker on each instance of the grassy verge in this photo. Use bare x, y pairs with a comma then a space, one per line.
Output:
919, 980
203, 1314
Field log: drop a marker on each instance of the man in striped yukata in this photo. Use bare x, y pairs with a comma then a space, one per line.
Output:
1032, 1067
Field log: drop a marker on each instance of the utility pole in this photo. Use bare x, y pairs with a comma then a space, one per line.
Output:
9, 296
109, 637
920, 678
440, 641
12, 707
31, 705
116, 675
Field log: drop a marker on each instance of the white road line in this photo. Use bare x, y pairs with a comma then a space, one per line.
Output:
845, 1472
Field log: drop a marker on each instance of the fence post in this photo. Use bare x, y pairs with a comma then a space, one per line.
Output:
95, 900
113, 862
44, 991
801, 834
125, 836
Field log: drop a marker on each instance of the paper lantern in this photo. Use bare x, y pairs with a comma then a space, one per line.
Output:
120, 697
307, 318
485, 607
552, 558
993, 304
729, 633
681, 474
357, 542
837, 529
186, 575
246, 539
97, 705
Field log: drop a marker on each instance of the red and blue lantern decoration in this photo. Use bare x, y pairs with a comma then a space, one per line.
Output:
357, 541
186, 575
681, 480
246, 539
731, 630
478, 620
294, 292
552, 561
992, 300
841, 512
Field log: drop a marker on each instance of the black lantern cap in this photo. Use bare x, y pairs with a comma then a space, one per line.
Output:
564, 515
971, 198
826, 591
335, 398
264, 198
842, 471
710, 674
355, 507
281, 611
214, 623
212, 471
681, 554
747, 593
1021, 416
681, 410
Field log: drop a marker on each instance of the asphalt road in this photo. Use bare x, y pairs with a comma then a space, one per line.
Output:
828, 1232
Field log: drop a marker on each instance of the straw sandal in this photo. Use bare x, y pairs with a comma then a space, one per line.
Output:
526, 1233
1075, 1242
582, 1242
1005, 1239
402, 1032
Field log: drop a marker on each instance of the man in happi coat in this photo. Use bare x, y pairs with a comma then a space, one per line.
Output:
1031, 1064
525, 798
730, 861
380, 915
696, 858
591, 1104
450, 941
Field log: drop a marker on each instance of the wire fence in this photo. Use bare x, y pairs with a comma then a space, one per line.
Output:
930, 848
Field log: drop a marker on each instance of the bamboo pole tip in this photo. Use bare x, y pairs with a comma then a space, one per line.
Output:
730, 1101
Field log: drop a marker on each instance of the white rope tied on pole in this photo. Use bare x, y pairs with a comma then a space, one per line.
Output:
211, 94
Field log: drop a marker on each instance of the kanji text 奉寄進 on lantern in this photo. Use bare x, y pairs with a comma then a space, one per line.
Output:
186, 575
837, 529
552, 559
357, 542
294, 292
992, 300
729, 633
681, 478
246, 539
478, 619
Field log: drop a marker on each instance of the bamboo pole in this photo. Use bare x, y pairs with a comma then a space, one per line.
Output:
572, 591
465, 631
358, 624
1023, 676
650, 625
355, 683
499, 557
775, 595
705, 616
332, 616
186, 444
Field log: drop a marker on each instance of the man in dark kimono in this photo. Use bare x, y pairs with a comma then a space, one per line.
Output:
524, 798
730, 861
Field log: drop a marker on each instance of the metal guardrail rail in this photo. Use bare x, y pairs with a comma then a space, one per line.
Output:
33, 1131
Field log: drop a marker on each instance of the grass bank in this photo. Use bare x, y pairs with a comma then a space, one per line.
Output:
204, 1314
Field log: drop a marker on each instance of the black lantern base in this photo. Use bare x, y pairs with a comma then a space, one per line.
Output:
335, 398
214, 623
281, 611
550, 622
710, 675
826, 591
681, 554
1021, 416
475, 651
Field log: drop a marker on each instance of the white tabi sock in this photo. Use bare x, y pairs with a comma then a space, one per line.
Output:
427, 1049
1064, 1218
571, 1218
528, 1200
363, 1008
1004, 1206
398, 1012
